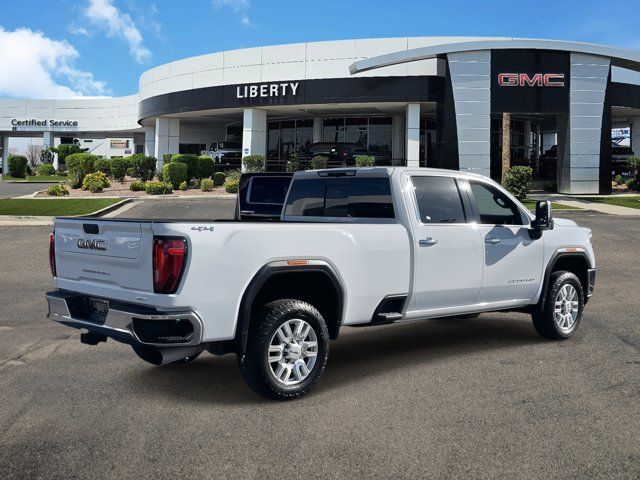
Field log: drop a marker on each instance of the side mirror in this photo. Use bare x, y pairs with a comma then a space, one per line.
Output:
543, 220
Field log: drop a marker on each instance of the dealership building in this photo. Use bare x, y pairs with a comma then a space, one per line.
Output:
417, 101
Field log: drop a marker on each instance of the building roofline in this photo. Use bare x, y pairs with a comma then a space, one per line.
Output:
620, 57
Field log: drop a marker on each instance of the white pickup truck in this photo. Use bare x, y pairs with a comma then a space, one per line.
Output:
352, 247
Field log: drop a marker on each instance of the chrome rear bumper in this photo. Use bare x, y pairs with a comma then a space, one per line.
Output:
122, 323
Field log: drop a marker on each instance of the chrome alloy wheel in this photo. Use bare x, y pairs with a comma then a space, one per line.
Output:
293, 351
565, 312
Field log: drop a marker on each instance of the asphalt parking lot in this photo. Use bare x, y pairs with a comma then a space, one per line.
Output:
11, 189
475, 398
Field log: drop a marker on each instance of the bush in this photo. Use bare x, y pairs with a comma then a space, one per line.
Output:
319, 162
158, 188
175, 173
191, 161
79, 165
634, 166
365, 161
67, 149
231, 185
618, 180
183, 186
218, 178
143, 167
46, 169
102, 165
46, 156
518, 181
166, 158
293, 165
93, 180
632, 184
57, 190
206, 166
137, 186
206, 185
233, 174
17, 166
29, 171
253, 163
119, 169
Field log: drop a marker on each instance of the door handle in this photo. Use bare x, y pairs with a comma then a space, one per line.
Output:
492, 240
427, 242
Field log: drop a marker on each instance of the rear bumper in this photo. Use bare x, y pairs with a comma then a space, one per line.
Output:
127, 323
591, 273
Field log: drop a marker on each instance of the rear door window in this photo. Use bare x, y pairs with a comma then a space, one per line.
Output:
438, 200
365, 197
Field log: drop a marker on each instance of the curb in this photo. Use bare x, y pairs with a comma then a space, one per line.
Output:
20, 221
108, 209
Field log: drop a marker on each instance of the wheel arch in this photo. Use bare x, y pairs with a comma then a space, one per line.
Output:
315, 282
575, 262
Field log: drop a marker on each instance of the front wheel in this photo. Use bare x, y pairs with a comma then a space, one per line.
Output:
287, 351
563, 305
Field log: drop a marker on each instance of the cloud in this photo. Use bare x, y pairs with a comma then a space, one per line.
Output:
238, 6
79, 31
35, 66
104, 15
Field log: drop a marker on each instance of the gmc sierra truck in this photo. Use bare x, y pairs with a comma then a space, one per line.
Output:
351, 247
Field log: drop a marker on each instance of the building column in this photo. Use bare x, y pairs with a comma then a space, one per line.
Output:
317, 130
413, 135
397, 139
166, 138
5, 155
254, 132
635, 135
149, 141
48, 142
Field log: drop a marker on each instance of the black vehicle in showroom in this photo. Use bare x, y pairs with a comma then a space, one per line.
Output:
339, 154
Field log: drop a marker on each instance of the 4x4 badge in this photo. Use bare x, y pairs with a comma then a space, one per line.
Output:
202, 229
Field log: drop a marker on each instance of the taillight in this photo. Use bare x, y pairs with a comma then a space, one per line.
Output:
169, 258
52, 253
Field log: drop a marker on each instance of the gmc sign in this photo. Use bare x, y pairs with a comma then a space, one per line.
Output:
535, 80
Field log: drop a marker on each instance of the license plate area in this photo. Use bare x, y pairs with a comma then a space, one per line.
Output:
98, 309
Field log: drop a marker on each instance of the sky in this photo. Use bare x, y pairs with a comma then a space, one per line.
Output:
74, 48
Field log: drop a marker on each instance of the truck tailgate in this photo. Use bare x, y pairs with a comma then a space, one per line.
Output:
105, 258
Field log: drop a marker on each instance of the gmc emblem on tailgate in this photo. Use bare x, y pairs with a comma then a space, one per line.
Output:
92, 244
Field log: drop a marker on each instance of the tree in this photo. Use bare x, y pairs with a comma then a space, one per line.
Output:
506, 144
33, 154
66, 149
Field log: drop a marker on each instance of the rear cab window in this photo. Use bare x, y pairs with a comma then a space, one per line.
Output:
344, 198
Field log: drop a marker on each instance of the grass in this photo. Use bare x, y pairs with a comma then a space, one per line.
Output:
52, 207
531, 205
37, 178
631, 202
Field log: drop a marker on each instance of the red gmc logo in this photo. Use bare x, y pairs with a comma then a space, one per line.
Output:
536, 80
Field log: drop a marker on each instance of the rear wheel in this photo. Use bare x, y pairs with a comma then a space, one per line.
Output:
287, 351
562, 311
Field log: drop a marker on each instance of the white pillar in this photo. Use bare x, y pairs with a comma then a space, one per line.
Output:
413, 135
317, 130
48, 142
166, 138
254, 132
5, 155
149, 141
635, 135
397, 139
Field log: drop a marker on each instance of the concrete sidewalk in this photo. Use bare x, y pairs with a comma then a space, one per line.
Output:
584, 203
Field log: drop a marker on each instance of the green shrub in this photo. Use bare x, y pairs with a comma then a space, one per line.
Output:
166, 158
233, 174
365, 161
518, 181
102, 165
46, 169
293, 164
183, 186
618, 180
66, 149
94, 186
218, 178
57, 190
175, 173
143, 167
206, 185
17, 166
206, 166
319, 162
46, 156
93, 179
550, 187
191, 161
119, 169
253, 163
231, 185
137, 186
158, 188
634, 166
79, 165
632, 184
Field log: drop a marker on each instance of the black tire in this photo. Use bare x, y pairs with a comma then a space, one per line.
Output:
254, 364
544, 319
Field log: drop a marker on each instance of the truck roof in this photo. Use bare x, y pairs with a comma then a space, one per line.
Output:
383, 171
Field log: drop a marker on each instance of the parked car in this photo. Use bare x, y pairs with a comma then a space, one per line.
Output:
353, 247
339, 154
225, 153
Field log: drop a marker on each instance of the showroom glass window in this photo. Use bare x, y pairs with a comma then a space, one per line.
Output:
438, 200
494, 207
